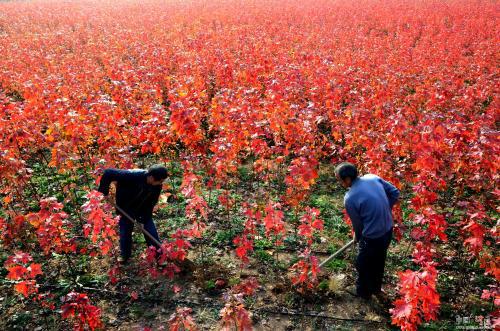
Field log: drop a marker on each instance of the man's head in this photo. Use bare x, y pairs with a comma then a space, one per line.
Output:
156, 175
346, 173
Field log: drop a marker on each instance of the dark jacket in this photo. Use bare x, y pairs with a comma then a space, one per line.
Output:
133, 194
369, 204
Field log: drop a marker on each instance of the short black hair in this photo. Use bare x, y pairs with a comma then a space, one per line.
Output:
346, 169
158, 172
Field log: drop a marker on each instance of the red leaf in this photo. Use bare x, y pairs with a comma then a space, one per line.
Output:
16, 272
402, 309
176, 288
22, 288
35, 269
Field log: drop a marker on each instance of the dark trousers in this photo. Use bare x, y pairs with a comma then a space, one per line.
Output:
126, 228
370, 264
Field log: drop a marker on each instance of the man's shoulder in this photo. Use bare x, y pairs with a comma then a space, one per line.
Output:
137, 171
127, 173
370, 177
361, 187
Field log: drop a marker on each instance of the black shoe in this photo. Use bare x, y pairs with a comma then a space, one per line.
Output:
364, 297
351, 291
123, 260
354, 293
383, 298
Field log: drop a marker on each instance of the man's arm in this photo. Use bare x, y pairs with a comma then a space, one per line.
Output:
391, 191
155, 196
110, 175
353, 213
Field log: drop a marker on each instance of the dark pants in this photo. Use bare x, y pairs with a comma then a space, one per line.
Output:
126, 228
370, 264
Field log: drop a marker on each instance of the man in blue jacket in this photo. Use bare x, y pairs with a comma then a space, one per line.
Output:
137, 192
368, 202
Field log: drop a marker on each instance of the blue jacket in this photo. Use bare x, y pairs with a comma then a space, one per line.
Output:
369, 204
133, 194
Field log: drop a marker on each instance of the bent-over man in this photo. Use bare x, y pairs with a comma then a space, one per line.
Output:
137, 192
368, 202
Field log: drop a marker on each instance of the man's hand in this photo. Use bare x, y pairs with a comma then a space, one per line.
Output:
110, 199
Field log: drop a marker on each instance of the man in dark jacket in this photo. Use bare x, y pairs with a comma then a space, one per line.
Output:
369, 203
137, 192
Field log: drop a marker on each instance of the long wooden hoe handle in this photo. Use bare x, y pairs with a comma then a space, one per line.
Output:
141, 226
337, 253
